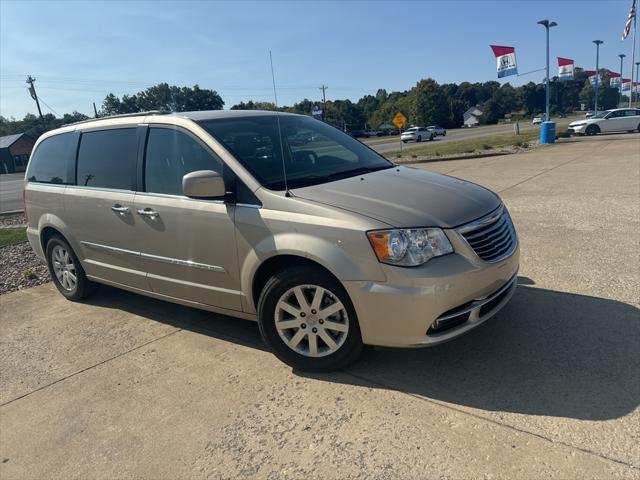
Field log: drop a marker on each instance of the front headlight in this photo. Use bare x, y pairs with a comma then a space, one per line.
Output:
409, 247
579, 124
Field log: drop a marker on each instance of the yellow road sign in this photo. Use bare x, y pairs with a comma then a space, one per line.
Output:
399, 120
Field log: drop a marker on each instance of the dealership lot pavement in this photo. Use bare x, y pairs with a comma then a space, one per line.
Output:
123, 386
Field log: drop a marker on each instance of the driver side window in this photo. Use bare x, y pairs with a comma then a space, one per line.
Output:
171, 154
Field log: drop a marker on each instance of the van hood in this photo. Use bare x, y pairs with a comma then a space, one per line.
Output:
406, 197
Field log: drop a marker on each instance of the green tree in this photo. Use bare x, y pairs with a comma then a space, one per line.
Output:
431, 104
164, 97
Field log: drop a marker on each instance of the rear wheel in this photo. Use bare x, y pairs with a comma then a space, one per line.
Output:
638, 129
431, 137
444, 134
307, 318
65, 269
592, 130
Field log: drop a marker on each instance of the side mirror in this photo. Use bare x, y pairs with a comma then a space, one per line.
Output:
203, 184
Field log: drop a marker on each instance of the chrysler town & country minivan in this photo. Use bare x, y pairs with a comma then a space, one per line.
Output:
278, 218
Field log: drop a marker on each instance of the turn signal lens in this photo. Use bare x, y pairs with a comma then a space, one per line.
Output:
409, 247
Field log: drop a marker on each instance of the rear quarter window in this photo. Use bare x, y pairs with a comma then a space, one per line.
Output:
107, 158
51, 160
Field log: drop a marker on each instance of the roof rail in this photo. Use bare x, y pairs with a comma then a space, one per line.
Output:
122, 115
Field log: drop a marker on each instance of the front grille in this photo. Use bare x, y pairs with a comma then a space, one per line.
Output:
493, 240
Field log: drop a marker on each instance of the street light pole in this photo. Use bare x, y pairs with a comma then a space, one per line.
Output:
637, 81
622, 55
547, 25
598, 43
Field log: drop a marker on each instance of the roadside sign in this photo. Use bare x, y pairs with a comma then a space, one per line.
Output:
399, 120
317, 111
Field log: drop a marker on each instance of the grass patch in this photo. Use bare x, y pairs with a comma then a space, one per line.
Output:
12, 236
436, 149
479, 145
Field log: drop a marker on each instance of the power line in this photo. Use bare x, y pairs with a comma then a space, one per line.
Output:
47, 105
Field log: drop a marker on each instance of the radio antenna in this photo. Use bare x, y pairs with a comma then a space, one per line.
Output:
275, 96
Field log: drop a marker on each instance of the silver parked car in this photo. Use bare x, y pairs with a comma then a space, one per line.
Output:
278, 218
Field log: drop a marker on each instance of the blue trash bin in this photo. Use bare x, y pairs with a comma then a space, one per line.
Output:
548, 132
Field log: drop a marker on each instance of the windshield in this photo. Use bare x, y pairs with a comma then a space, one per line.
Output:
602, 114
314, 152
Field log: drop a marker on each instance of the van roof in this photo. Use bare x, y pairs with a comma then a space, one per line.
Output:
195, 116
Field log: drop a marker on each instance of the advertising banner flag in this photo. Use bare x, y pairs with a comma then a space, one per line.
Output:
565, 68
505, 60
614, 80
591, 75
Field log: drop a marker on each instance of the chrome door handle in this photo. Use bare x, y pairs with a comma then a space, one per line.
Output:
147, 212
120, 209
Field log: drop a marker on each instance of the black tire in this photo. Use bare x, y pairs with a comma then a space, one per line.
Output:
405, 141
431, 137
592, 130
419, 139
638, 129
83, 286
278, 286
444, 134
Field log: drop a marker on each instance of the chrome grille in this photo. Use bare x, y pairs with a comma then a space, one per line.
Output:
492, 237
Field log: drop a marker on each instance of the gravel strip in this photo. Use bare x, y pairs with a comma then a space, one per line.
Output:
20, 268
13, 220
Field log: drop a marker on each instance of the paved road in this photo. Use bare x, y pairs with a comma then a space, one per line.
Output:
11, 191
127, 387
382, 145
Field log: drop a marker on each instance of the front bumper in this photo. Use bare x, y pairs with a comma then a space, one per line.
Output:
435, 302
577, 129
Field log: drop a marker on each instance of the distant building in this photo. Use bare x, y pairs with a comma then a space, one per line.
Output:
471, 117
14, 152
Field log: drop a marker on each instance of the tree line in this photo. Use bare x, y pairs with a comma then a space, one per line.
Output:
425, 104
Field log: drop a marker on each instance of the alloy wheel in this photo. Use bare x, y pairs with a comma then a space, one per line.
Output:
64, 268
311, 320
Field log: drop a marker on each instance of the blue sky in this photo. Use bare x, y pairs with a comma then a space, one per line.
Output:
79, 51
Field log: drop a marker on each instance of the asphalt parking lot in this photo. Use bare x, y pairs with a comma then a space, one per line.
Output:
124, 386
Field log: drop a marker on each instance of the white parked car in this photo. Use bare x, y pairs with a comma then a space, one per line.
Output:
437, 130
616, 120
417, 134
537, 120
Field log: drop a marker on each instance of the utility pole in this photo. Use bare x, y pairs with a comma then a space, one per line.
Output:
598, 43
95, 110
324, 101
34, 95
622, 55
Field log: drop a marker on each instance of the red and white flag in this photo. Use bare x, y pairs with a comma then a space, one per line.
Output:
565, 68
505, 60
614, 80
591, 75
630, 18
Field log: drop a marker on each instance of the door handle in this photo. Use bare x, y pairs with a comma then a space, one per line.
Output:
120, 209
147, 212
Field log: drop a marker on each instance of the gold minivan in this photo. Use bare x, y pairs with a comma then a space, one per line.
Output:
278, 218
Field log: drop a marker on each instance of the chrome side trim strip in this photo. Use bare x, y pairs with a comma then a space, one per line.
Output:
158, 258
107, 248
184, 263
248, 205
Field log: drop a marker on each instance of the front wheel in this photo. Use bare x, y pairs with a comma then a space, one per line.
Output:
444, 134
65, 269
592, 130
306, 317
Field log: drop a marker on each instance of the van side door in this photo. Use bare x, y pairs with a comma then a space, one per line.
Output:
99, 207
188, 245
